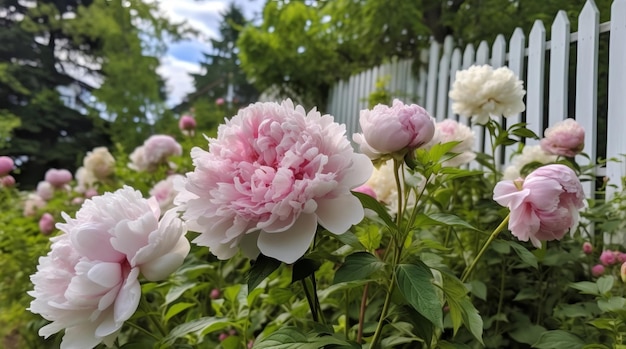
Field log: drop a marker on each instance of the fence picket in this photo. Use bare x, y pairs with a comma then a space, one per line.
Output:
536, 62
431, 86
587, 83
443, 79
517, 46
559, 69
617, 103
455, 65
498, 57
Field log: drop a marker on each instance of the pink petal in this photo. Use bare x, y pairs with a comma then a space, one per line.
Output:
339, 214
291, 244
506, 194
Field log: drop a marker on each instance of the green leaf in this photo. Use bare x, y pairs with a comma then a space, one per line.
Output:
524, 132
358, 266
373, 204
605, 324
472, 319
176, 291
586, 287
558, 340
199, 326
478, 289
262, 268
444, 219
176, 309
415, 284
523, 253
286, 338
605, 283
350, 239
527, 334
303, 268
612, 304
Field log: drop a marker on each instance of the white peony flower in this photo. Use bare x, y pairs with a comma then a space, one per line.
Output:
88, 283
99, 162
481, 92
530, 154
164, 191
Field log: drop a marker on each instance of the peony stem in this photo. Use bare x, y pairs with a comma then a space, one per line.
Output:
383, 313
150, 314
493, 235
309, 299
359, 335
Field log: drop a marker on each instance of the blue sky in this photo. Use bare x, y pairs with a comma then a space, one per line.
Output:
184, 57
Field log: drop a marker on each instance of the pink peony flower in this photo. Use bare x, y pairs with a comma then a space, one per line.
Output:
587, 248
99, 162
621, 256
58, 178
6, 165
608, 257
154, 151
219, 101
46, 224
544, 205
215, 293
45, 190
395, 129
7, 181
91, 192
365, 189
565, 138
597, 270
164, 192
88, 283
187, 123
273, 173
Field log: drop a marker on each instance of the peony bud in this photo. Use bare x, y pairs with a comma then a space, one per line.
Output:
7, 181
219, 101
45, 190
187, 123
58, 178
608, 258
215, 293
394, 130
223, 336
6, 165
597, 270
46, 224
365, 189
587, 248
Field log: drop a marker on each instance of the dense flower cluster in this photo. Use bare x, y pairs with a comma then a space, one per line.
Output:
88, 283
272, 174
154, 151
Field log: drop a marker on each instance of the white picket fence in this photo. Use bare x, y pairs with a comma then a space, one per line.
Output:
429, 87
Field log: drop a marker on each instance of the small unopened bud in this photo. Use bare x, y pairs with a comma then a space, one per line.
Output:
215, 293
597, 270
46, 224
587, 248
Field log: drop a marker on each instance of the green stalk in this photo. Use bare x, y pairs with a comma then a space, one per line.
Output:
493, 235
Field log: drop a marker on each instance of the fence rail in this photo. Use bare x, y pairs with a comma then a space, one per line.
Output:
429, 86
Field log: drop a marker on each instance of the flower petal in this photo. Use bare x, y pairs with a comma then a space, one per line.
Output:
291, 244
339, 214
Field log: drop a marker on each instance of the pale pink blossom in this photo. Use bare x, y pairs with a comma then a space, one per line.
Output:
395, 129
154, 151
46, 223
45, 190
597, 270
587, 248
622, 272
7, 181
565, 138
481, 92
219, 101
544, 206
608, 257
6, 165
91, 192
99, 162
58, 177
164, 192
32, 204
88, 283
451, 131
272, 174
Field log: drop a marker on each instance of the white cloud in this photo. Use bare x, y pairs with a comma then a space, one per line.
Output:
178, 81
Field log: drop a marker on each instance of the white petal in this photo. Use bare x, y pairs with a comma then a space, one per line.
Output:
105, 274
80, 337
160, 268
128, 299
339, 214
291, 244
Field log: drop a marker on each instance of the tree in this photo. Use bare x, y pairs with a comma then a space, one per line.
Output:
221, 71
92, 48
